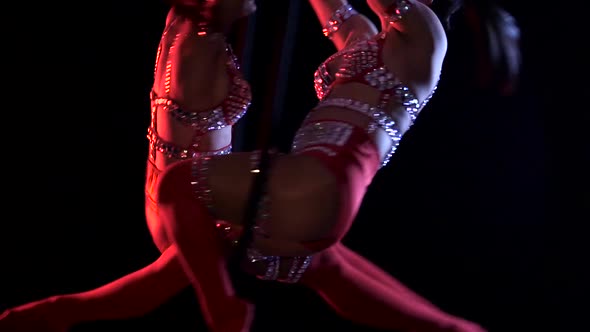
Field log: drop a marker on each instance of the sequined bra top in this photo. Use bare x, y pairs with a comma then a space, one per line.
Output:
363, 63
227, 113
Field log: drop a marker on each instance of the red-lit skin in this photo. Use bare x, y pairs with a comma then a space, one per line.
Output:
185, 233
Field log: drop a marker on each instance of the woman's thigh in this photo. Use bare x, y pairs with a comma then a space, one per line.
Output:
155, 227
301, 198
300, 202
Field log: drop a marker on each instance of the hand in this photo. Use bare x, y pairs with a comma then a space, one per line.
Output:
38, 316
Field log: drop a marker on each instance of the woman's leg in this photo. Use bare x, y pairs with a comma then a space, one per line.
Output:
133, 295
365, 294
358, 290
130, 296
201, 251
367, 267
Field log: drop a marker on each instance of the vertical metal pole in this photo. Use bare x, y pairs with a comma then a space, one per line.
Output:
282, 82
243, 41
266, 128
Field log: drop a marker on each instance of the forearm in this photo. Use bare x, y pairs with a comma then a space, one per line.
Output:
131, 296
356, 27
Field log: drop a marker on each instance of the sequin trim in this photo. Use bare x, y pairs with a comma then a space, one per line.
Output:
380, 119
298, 268
200, 181
171, 150
338, 18
322, 81
397, 11
227, 113
361, 62
322, 133
273, 266
232, 109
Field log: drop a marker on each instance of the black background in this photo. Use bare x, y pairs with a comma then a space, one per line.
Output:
482, 210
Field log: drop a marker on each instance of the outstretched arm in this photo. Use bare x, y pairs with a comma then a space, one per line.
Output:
356, 27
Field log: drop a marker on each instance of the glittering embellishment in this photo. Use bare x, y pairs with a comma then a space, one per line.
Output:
200, 181
298, 268
427, 99
322, 81
168, 73
322, 132
359, 58
379, 117
362, 63
339, 16
381, 79
273, 266
397, 10
159, 51
171, 150
227, 113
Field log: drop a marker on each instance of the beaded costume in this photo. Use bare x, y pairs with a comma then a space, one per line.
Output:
227, 113
350, 284
347, 149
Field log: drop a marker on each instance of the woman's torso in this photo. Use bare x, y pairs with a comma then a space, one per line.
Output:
392, 72
191, 117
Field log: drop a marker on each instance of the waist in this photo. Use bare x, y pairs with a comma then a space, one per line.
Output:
379, 138
164, 152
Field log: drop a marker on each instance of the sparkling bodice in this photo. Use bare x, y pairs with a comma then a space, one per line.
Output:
227, 113
362, 62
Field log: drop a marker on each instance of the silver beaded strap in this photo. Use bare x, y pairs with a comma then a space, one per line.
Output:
171, 150
321, 132
298, 268
397, 11
273, 266
339, 16
200, 181
226, 114
380, 119
200, 176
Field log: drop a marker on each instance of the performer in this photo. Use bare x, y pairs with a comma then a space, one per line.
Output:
370, 92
